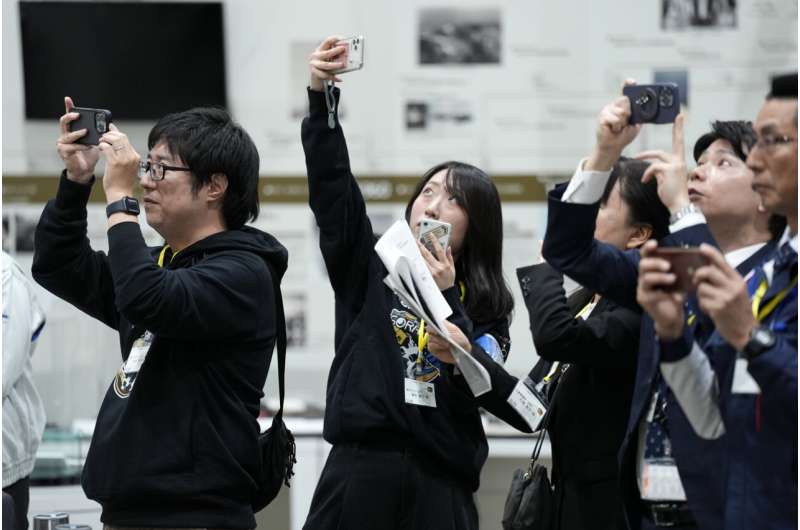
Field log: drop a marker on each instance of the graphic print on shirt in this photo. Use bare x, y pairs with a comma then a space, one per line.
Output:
406, 329
127, 373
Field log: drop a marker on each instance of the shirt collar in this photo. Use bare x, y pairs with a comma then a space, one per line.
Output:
738, 256
792, 239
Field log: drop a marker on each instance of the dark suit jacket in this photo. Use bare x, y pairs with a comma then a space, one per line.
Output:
570, 247
591, 407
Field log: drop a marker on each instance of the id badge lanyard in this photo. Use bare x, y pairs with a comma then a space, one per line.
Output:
760, 313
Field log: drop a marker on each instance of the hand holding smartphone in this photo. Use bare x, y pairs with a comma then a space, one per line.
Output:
429, 229
353, 55
95, 121
683, 263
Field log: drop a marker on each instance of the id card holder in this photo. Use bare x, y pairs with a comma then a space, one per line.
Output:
138, 353
661, 481
420, 393
528, 403
743, 382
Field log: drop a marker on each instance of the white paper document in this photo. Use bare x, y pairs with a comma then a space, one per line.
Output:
411, 280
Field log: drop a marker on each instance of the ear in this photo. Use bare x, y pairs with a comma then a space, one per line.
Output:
216, 187
640, 235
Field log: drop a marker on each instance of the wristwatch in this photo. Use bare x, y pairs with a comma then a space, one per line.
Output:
761, 339
125, 204
683, 212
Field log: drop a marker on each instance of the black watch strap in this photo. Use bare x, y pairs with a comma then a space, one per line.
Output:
761, 339
125, 204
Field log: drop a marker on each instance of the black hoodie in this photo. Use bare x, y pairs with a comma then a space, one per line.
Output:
376, 337
175, 444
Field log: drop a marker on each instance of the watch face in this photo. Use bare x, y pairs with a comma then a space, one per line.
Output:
131, 205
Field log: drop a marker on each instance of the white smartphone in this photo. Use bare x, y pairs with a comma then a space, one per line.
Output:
353, 54
432, 228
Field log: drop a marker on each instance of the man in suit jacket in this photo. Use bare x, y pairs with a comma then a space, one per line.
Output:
743, 380
658, 499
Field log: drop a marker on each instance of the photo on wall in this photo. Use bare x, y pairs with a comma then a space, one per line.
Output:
679, 77
459, 36
687, 14
439, 115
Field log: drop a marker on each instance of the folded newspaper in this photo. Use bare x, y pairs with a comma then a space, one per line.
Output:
411, 280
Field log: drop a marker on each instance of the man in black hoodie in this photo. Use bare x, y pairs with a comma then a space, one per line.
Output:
176, 438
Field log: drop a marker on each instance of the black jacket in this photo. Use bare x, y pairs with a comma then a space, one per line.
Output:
590, 411
569, 246
376, 337
175, 444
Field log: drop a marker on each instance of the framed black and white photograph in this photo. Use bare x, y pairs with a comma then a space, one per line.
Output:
439, 115
460, 36
679, 77
687, 14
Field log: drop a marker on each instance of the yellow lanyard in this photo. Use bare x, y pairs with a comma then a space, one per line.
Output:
763, 312
556, 364
422, 336
163, 254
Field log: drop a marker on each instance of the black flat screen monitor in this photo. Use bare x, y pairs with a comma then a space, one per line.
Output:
140, 60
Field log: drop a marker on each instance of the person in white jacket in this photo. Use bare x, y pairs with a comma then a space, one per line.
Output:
23, 410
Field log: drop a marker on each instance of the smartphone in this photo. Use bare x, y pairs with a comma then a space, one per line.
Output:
683, 262
353, 56
659, 103
430, 228
95, 121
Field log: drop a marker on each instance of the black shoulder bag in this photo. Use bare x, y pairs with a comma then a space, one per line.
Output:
276, 444
530, 504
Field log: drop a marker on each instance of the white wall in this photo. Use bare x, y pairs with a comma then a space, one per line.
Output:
532, 114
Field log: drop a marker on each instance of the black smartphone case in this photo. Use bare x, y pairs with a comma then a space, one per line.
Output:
650, 109
87, 121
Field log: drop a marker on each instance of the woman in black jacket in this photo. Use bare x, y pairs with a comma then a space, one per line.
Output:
398, 460
588, 347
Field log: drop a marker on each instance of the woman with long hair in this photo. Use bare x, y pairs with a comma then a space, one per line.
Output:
398, 460
588, 347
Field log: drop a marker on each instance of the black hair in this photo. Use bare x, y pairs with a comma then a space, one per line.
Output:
776, 224
644, 206
480, 264
783, 86
210, 142
740, 134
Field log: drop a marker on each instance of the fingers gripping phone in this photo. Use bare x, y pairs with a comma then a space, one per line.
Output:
430, 228
683, 263
353, 56
95, 121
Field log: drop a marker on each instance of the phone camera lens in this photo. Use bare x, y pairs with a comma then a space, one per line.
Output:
100, 122
648, 104
666, 98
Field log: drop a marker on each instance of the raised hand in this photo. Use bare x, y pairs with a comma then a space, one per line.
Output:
613, 134
323, 61
79, 160
665, 307
669, 170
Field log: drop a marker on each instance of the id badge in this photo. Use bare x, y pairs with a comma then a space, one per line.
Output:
138, 352
743, 382
420, 393
661, 481
527, 404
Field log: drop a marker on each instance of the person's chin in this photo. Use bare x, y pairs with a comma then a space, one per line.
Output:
151, 217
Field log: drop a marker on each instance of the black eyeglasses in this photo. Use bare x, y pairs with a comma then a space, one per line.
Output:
768, 141
157, 170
